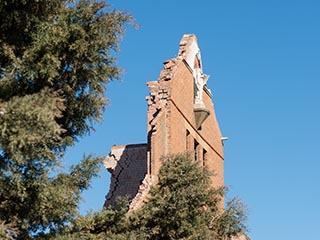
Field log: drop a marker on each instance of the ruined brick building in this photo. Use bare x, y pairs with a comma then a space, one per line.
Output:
181, 118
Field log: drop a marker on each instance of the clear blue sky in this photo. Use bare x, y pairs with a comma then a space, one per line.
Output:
264, 62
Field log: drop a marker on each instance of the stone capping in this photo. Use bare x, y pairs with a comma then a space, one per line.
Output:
187, 65
207, 91
205, 88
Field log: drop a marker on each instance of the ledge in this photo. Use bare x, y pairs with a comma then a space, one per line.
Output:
201, 114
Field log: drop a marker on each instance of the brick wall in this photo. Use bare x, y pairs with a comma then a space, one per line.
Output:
174, 101
176, 113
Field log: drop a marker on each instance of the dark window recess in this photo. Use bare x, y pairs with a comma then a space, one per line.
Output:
196, 149
204, 157
187, 140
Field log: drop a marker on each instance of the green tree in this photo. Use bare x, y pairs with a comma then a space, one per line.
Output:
182, 205
55, 57
111, 224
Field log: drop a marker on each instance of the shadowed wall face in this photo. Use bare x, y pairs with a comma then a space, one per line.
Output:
128, 167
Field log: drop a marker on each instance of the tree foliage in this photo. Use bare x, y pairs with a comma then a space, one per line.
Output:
111, 224
55, 59
182, 205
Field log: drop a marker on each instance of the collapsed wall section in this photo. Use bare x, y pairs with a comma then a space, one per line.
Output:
128, 167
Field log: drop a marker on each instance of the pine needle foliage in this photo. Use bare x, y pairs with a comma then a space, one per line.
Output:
111, 224
55, 59
182, 205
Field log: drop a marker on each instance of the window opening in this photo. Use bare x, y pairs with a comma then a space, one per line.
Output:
187, 140
204, 157
196, 149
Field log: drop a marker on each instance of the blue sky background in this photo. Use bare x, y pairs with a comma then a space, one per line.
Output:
264, 62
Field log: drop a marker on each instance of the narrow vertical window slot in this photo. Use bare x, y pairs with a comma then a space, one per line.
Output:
204, 157
196, 149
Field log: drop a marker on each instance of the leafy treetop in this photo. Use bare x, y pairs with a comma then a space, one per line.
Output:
55, 59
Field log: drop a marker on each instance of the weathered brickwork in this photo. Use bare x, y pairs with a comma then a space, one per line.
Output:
128, 167
181, 117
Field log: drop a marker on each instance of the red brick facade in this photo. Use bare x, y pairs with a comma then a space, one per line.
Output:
181, 118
